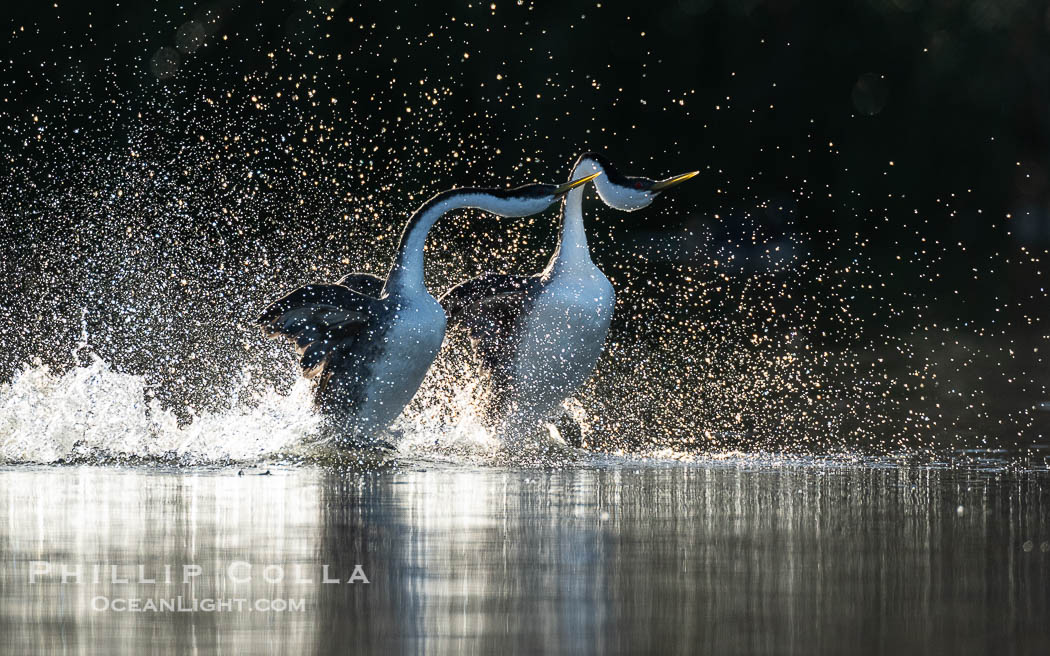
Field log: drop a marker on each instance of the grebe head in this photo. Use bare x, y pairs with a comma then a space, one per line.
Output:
627, 192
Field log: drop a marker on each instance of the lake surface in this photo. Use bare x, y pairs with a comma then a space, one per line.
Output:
723, 556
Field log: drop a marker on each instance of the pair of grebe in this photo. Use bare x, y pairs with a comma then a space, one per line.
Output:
370, 341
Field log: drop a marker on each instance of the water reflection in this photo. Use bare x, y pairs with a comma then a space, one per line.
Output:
725, 558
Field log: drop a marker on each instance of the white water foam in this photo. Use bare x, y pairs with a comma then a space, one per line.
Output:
96, 412
93, 410
443, 421
46, 417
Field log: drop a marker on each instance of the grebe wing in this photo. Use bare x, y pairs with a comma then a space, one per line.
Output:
491, 307
314, 317
364, 283
487, 289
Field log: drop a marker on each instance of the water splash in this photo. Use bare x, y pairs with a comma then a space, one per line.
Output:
175, 220
443, 422
93, 412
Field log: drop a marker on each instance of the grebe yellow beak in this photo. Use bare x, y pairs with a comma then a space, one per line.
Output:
670, 182
564, 188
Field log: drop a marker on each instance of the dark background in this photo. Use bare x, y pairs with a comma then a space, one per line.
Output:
812, 100
895, 150
887, 121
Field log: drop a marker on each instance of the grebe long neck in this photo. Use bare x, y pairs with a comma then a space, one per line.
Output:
406, 273
572, 251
